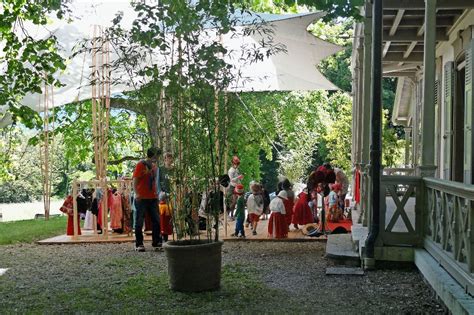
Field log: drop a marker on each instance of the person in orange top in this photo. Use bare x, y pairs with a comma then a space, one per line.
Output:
165, 216
146, 199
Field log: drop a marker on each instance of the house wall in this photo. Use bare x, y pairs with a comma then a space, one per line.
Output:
446, 51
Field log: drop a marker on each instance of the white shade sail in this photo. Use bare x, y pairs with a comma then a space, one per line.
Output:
295, 69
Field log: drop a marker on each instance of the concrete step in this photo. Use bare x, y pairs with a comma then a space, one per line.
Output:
344, 271
359, 235
339, 248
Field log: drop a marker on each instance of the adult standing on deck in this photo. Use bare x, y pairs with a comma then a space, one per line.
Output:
165, 174
235, 179
146, 199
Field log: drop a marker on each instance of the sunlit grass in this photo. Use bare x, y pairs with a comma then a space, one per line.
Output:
28, 231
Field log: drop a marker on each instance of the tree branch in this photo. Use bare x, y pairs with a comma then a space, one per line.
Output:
127, 104
125, 158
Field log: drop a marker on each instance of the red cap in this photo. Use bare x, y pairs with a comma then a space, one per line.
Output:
235, 160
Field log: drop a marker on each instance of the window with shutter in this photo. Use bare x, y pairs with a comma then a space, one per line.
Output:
468, 115
448, 105
437, 128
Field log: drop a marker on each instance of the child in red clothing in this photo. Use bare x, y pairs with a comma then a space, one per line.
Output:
165, 216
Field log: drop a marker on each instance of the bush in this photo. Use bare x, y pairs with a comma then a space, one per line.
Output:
19, 191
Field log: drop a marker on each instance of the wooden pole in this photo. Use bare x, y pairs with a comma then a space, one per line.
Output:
101, 115
428, 166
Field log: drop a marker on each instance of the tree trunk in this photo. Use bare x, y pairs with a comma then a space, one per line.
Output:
153, 122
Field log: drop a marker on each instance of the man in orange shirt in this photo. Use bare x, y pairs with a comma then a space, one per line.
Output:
146, 199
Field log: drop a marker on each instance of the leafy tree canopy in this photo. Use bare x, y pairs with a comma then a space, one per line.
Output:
334, 8
27, 63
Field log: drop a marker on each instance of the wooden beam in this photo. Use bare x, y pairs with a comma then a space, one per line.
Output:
411, 35
410, 48
399, 74
396, 68
396, 22
420, 4
421, 30
444, 21
404, 48
385, 48
398, 57
393, 30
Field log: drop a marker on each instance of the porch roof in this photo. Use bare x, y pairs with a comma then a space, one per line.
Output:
403, 32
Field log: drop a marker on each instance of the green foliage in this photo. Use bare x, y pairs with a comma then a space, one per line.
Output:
389, 86
28, 231
299, 119
337, 68
20, 177
339, 133
126, 130
29, 63
392, 146
333, 8
269, 170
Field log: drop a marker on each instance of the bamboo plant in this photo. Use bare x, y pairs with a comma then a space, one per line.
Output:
174, 57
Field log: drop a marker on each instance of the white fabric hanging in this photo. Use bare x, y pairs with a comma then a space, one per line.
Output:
295, 69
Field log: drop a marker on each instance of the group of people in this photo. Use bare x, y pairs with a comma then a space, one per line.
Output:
286, 208
151, 184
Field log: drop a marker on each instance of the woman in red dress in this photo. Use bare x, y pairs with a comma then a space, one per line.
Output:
302, 212
290, 201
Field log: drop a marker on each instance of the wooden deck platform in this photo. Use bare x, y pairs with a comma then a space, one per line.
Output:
262, 235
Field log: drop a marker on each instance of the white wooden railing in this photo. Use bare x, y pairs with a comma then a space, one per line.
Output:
389, 171
449, 228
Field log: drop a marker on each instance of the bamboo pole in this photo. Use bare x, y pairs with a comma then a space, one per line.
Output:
101, 115
51, 159
74, 207
44, 149
226, 135
216, 128
226, 156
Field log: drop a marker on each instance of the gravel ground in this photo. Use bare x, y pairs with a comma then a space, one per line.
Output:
79, 278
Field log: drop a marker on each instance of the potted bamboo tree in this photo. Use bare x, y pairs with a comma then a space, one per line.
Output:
175, 50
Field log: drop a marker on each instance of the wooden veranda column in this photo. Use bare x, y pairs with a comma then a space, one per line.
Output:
407, 145
367, 74
428, 167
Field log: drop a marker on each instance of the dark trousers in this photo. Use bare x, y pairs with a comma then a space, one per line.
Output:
147, 206
239, 227
341, 202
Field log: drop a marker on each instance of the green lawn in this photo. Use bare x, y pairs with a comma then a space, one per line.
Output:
28, 231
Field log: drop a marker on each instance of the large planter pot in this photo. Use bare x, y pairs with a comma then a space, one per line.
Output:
194, 265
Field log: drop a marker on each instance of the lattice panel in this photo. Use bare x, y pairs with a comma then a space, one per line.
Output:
400, 202
448, 242
451, 206
439, 219
430, 226
462, 233
449, 223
